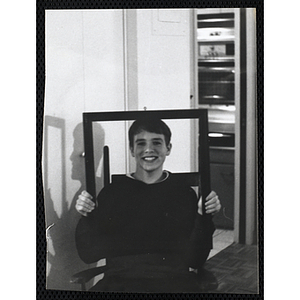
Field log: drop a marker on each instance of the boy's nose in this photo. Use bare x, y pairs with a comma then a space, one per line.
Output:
149, 148
71, 156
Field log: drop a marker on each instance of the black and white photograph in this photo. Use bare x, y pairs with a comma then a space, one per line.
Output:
150, 151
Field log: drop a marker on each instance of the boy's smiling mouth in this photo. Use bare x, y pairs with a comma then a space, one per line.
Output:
149, 158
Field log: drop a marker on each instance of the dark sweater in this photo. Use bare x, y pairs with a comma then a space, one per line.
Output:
137, 219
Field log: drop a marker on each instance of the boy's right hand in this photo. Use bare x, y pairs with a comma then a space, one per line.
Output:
84, 203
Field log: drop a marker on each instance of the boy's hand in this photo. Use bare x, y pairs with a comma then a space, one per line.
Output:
84, 203
212, 204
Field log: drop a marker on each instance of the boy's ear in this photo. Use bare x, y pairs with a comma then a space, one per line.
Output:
169, 147
131, 151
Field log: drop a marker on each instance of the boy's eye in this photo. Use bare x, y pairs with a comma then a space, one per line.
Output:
141, 144
156, 143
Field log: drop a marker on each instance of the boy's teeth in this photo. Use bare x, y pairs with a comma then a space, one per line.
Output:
149, 158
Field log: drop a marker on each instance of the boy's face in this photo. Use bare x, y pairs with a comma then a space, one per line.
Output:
150, 151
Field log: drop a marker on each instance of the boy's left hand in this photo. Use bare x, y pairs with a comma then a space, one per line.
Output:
212, 204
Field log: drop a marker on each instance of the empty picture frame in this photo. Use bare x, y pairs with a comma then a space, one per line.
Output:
203, 147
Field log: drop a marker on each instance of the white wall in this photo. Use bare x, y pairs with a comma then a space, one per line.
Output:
163, 39
84, 72
88, 68
163, 73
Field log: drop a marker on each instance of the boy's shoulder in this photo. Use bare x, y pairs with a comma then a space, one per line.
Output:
183, 179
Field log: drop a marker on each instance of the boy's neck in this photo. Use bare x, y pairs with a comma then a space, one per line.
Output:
148, 177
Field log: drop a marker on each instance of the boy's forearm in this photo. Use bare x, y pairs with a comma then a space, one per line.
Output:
87, 243
200, 242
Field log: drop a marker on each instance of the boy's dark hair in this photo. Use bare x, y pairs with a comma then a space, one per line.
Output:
150, 125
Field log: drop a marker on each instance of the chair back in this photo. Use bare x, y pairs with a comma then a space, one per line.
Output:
191, 179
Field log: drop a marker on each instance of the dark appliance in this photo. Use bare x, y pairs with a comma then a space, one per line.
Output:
216, 73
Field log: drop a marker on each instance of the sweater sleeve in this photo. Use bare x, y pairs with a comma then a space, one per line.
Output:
87, 244
92, 232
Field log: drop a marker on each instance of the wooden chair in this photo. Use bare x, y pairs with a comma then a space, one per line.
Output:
199, 179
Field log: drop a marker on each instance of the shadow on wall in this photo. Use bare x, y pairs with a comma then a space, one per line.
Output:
62, 258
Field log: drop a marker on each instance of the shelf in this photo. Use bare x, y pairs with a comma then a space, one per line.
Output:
221, 148
215, 69
217, 102
216, 81
222, 107
216, 59
216, 39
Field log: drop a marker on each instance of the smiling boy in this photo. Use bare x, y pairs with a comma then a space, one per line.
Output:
149, 226
149, 145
